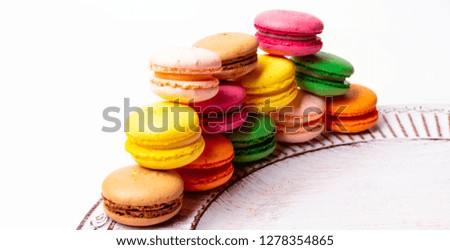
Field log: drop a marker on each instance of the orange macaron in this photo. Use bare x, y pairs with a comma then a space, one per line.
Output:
352, 112
213, 168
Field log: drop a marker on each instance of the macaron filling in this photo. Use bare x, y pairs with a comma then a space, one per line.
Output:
275, 101
352, 124
212, 123
150, 211
316, 73
183, 77
255, 152
279, 42
292, 120
255, 141
195, 176
190, 71
292, 38
344, 84
321, 87
239, 61
211, 83
310, 126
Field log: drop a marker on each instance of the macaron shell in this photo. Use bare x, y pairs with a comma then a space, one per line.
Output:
357, 101
165, 158
162, 131
185, 60
299, 133
354, 124
218, 152
271, 74
229, 45
130, 186
230, 95
326, 64
288, 22
305, 107
321, 87
139, 222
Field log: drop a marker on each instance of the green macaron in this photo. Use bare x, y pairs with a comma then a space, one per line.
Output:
253, 140
323, 73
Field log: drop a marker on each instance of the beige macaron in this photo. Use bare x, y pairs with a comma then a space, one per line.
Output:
137, 196
236, 50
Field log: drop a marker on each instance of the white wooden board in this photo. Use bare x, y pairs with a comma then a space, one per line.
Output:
394, 176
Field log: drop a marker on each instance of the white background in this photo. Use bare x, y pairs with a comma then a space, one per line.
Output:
62, 63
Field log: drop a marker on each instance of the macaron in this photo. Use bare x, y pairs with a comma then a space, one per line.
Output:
164, 135
224, 112
288, 32
137, 196
301, 120
254, 140
213, 168
185, 74
236, 50
323, 73
271, 85
353, 112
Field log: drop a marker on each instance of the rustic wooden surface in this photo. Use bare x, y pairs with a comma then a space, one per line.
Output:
394, 176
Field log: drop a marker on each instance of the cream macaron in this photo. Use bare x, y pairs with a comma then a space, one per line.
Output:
185, 74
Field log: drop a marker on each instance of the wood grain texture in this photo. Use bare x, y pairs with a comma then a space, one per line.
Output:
395, 175
386, 185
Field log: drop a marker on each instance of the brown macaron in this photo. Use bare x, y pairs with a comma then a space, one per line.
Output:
137, 196
236, 50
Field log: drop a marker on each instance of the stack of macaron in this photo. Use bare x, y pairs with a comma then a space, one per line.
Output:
178, 143
326, 100
225, 105
246, 88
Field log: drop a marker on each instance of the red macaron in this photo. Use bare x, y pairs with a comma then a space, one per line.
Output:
224, 112
288, 32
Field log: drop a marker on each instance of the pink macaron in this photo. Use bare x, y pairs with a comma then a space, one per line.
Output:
224, 112
185, 74
301, 120
288, 33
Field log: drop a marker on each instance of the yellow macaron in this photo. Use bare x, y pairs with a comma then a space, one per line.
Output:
271, 85
164, 135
